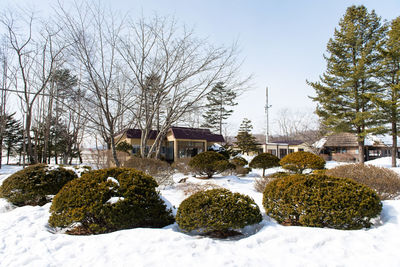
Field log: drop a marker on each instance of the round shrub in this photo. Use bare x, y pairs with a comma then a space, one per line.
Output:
108, 200
264, 161
208, 163
239, 161
217, 210
321, 201
384, 181
299, 161
35, 184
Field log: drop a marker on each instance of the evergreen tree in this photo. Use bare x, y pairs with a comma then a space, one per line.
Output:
345, 90
219, 101
389, 75
245, 141
13, 136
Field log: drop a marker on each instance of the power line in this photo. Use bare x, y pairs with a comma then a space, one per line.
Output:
23, 92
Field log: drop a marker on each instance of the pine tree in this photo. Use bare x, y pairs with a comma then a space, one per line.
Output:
219, 101
345, 90
389, 75
13, 135
245, 141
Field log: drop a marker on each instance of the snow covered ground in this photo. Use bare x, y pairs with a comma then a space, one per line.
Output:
26, 240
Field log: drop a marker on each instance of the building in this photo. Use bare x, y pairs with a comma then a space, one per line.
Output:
180, 142
281, 148
344, 147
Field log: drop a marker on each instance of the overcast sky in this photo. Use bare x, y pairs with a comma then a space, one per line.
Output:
282, 42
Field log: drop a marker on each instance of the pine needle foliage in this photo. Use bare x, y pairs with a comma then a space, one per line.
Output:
220, 99
346, 89
321, 201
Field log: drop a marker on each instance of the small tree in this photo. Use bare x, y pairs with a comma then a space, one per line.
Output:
298, 162
12, 136
124, 147
209, 163
264, 161
219, 99
245, 141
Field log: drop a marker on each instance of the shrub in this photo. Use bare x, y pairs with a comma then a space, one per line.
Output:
384, 181
344, 157
108, 200
299, 161
208, 163
182, 165
239, 161
217, 210
160, 170
34, 184
264, 161
321, 201
124, 147
261, 183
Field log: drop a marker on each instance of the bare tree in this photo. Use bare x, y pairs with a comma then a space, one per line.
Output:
182, 68
5, 82
36, 56
95, 34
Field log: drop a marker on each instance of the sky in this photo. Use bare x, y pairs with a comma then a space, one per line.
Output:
281, 42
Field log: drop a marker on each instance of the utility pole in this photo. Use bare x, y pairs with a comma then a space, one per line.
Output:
267, 107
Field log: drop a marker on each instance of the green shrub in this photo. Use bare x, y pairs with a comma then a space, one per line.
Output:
160, 170
321, 201
34, 184
208, 163
124, 147
264, 161
384, 181
239, 161
108, 200
217, 210
299, 161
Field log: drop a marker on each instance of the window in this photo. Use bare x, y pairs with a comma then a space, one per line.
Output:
282, 152
272, 151
135, 149
301, 149
292, 150
187, 149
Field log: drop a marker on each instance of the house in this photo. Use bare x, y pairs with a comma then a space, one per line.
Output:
344, 147
180, 142
281, 148
276, 146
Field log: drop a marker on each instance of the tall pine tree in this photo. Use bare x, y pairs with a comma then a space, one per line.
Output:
12, 136
245, 141
345, 90
389, 75
220, 100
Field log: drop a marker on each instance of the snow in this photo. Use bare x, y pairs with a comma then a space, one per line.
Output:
113, 180
114, 200
27, 240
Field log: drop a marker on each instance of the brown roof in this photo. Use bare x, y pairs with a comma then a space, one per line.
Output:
137, 134
181, 133
341, 140
196, 133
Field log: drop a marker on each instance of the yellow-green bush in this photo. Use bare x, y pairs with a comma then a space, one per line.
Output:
239, 161
384, 181
217, 210
264, 161
299, 161
208, 163
321, 201
108, 200
34, 184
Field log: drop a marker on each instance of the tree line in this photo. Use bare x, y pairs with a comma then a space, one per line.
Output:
88, 71
359, 90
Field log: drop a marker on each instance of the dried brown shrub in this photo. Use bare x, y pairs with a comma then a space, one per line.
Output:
182, 165
384, 181
261, 183
160, 170
191, 188
345, 157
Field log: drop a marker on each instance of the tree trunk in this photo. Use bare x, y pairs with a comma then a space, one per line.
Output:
361, 154
394, 146
114, 152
